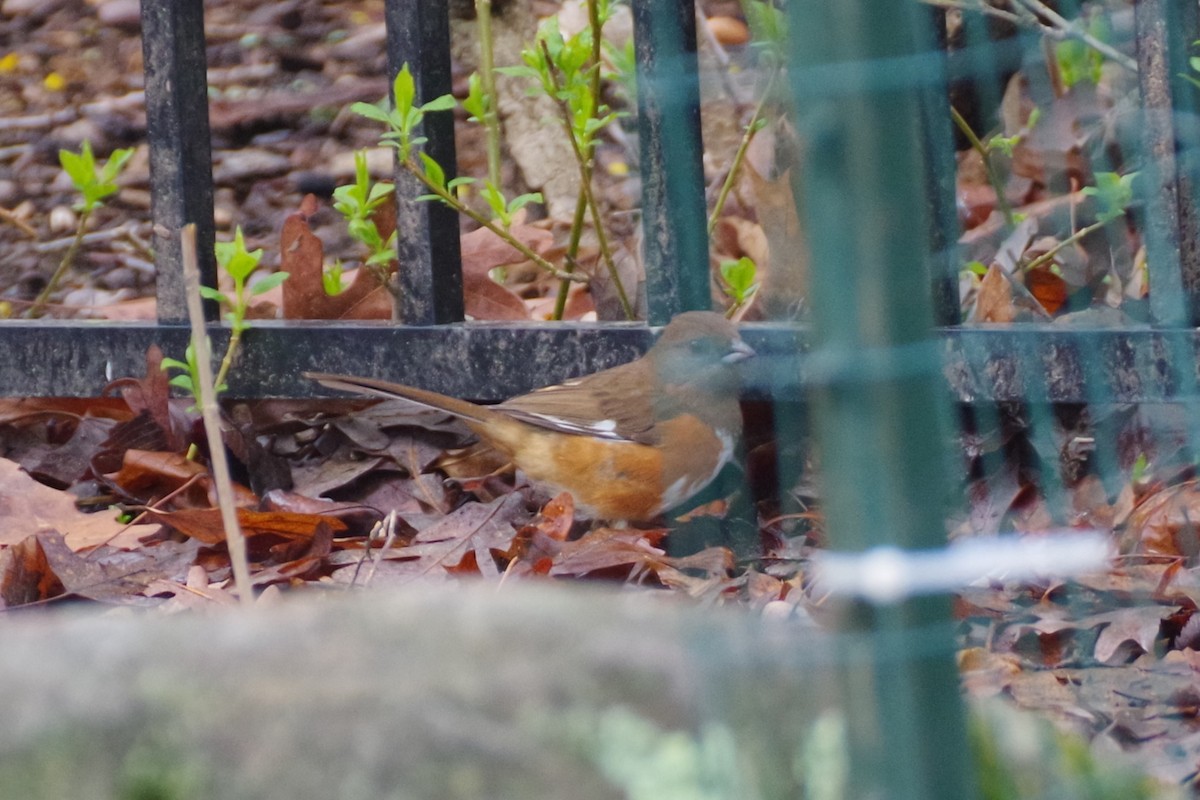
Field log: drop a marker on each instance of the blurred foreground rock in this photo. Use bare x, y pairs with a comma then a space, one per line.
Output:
443, 692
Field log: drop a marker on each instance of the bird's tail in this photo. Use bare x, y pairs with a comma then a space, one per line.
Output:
467, 411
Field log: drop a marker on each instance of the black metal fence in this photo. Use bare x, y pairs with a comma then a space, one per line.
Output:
870, 85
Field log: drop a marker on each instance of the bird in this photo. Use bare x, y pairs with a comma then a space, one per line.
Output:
629, 442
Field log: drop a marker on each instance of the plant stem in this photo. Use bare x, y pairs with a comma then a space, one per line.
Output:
1061, 28
235, 338
560, 300
487, 79
1053, 25
522, 248
740, 156
68, 258
1048, 256
584, 161
985, 153
581, 203
206, 396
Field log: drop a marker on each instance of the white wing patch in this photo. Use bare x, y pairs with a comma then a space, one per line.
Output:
603, 429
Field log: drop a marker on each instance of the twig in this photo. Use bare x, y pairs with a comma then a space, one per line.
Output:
1048, 256
985, 153
581, 202
508, 238
18, 223
39, 303
125, 229
585, 174
740, 156
1046, 20
1061, 28
207, 398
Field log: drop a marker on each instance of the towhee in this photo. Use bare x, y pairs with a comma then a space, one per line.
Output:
628, 442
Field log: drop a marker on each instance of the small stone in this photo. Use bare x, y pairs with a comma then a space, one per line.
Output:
34, 8
63, 219
74, 134
250, 164
124, 14
120, 278
362, 45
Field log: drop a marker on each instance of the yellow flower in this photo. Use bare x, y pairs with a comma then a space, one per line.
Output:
54, 82
9, 62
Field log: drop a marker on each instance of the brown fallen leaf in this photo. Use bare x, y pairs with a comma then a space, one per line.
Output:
29, 507
302, 256
204, 524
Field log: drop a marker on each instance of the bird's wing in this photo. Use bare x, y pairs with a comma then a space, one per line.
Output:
613, 404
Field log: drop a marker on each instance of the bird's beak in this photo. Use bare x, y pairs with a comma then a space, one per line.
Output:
739, 351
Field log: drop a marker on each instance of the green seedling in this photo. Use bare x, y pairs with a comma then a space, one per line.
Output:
568, 70
1007, 144
356, 202
239, 264
1141, 468
402, 119
1113, 194
997, 144
188, 378
331, 279
977, 268
768, 30
739, 280
623, 72
95, 183
1079, 62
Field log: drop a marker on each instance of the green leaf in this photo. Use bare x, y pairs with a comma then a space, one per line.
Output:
268, 283
404, 91
495, 200
443, 103
520, 72
433, 170
1140, 467
235, 259
116, 162
371, 111
475, 103
80, 167
211, 293
1004, 144
462, 180
183, 382
331, 279
1113, 194
520, 201
379, 193
364, 230
739, 276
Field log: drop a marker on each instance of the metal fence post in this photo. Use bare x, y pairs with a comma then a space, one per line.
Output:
673, 205
428, 245
858, 71
180, 146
